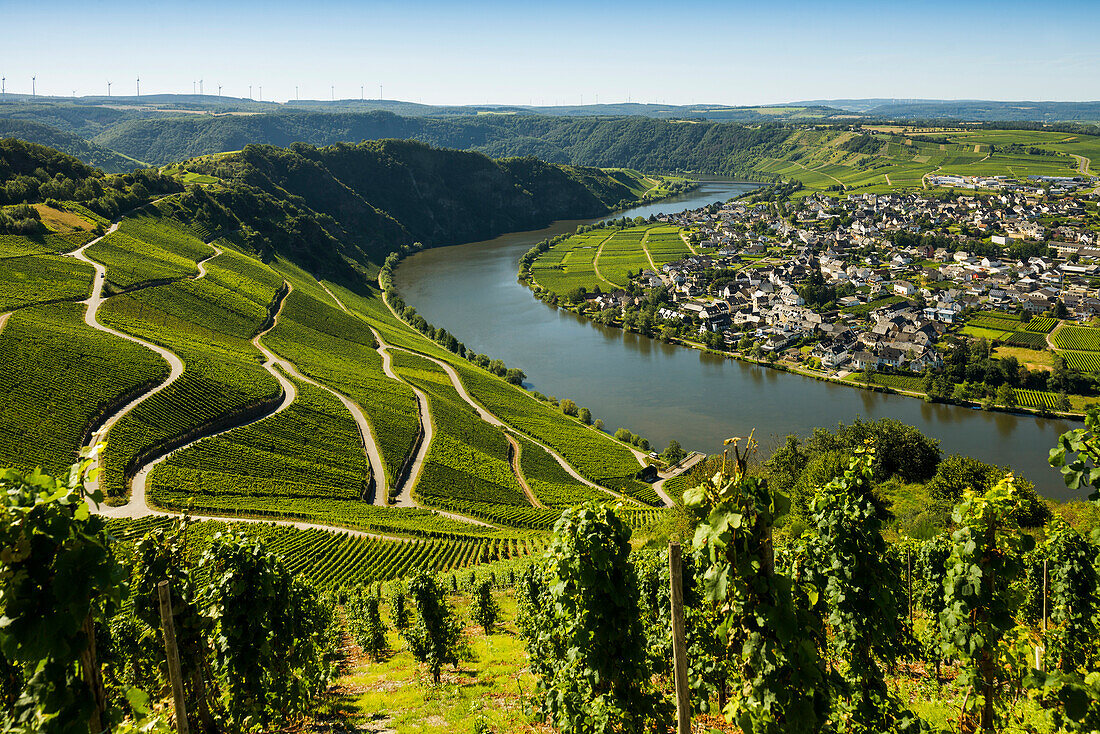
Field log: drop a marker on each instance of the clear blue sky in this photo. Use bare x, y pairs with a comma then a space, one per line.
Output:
550, 52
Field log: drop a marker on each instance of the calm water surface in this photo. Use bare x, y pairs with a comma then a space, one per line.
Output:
664, 392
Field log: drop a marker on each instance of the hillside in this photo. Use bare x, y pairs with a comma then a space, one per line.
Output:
94, 155
224, 374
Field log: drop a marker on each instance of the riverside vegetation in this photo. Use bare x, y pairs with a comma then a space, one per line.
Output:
262, 283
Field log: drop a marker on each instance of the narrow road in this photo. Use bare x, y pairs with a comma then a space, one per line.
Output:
596, 262
1083, 164
4, 319
93, 302
687, 242
519, 472
645, 238
201, 264
659, 485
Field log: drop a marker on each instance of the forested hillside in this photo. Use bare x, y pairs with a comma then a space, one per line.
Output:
630, 142
67, 142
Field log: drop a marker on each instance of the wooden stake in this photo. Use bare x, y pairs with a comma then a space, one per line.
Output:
93, 677
679, 651
168, 623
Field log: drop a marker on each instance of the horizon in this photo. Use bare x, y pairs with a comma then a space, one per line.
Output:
430, 52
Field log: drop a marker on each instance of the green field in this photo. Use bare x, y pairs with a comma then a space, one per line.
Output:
148, 248
42, 278
605, 257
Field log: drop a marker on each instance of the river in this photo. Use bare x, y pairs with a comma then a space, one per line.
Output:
663, 392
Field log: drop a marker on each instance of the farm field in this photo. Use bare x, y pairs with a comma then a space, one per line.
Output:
573, 263
42, 278
148, 248
1078, 338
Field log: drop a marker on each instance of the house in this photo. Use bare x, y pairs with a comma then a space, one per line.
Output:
904, 288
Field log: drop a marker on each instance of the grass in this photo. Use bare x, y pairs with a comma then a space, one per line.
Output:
59, 376
1032, 358
62, 221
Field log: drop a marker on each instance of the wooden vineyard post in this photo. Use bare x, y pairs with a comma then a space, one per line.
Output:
679, 653
909, 582
169, 626
93, 678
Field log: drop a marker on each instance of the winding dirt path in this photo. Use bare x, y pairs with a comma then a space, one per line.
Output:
596, 262
687, 242
645, 239
4, 319
519, 472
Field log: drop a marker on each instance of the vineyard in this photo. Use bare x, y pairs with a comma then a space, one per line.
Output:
309, 454
612, 465
1082, 361
549, 481
898, 382
25, 281
1041, 324
148, 248
209, 327
1029, 339
332, 560
1081, 338
1037, 399
338, 350
59, 377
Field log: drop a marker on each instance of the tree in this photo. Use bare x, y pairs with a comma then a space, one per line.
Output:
435, 636
1006, 396
673, 454
484, 609
568, 407
515, 376
585, 415
598, 424
586, 644
624, 435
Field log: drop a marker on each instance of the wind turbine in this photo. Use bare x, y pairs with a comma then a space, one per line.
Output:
379, 91
219, 90
139, 86
3, 85
332, 92
295, 92
200, 87
361, 93
261, 92
32, 85
108, 89
193, 83
250, 91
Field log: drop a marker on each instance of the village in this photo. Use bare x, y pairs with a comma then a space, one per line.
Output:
873, 281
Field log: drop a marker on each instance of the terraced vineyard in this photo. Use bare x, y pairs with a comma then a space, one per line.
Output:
338, 350
550, 482
148, 248
308, 455
59, 376
210, 328
468, 467
42, 278
595, 455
